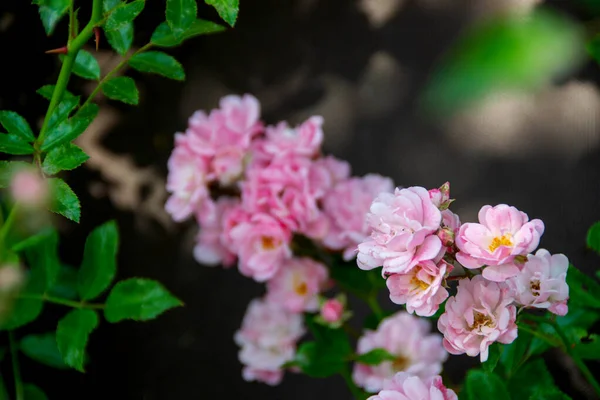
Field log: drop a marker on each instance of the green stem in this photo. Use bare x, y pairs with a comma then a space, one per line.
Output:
64, 302
67, 66
375, 307
15, 366
535, 333
10, 220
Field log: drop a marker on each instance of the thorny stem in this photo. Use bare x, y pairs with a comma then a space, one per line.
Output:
15, 366
64, 302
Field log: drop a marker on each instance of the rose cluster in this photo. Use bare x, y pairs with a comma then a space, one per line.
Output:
422, 245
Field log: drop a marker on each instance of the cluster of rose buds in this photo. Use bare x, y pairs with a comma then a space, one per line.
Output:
421, 245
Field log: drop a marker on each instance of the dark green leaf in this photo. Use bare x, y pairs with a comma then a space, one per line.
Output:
593, 237
138, 299
495, 351
13, 144
588, 348
315, 361
123, 15
122, 89
47, 91
86, 65
593, 48
8, 169
23, 312
583, 290
353, 279
34, 240
32, 392
65, 157
15, 124
158, 63
164, 37
72, 335
62, 111
66, 283
485, 385
71, 128
227, 9
375, 357
99, 264
43, 349
530, 378
66, 202
180, 15
51, 12
44, 255
549, 394
121, 39
108, 5
512, 354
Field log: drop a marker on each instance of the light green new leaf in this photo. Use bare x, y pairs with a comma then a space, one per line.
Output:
43, 349
71, 128
158, 63
164, 37
138, 299
13, 144
121, 39
99, 264
51, 12
122, 89
123, 15
485, 385
593, 237
375, 357
181, 14
8, 169
15, 124
65, 157
32, 392
65, 202
227, 9
86, 65
72, 336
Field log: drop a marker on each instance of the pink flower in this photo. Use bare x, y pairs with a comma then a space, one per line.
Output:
441, 197
262, 246
268, 340
407, 387
297, 284
346, 206
210, 248
283, 141
332, 310
404, 225
502, 234
407, 337
542, 282
421, 288
29, 188
186, 180
479, 315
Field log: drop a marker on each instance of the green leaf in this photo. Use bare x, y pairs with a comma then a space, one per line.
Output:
355, 280
588, 347
8, 169
180, 15
51, 12
99, 264
593, 49
314, 360
549, 394
495, 351
138, 299
108, 5
33, 240
86, 65
529, 379
512, 354
32, 392
65, 157
44, 255
164, 37
47, 91
72, 335
13, 144
43, 348
66, 283
62, 111
123, 15
66, 202
158, 63
227, 9
593, 237
583, 290
122, 89
71, 128
485, 385
375, 357
121, 39
15, 124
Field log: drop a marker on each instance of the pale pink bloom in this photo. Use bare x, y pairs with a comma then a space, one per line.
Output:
241, 114
403, 231
186, 180
346, 206
210, 248
451, 221
268, 340
542, 282
503, 232
407, 337
262, 245
480, 314
297, 285
339, 170
282, 141
420, 288
28, 187
332, 310
232, 217
405, 386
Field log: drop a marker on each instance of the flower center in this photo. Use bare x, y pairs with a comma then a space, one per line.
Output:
401, 363
301, 288
498, 241
535, 287
418, 284
480, 320
268, 243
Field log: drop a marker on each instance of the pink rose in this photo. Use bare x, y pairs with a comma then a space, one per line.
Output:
210, 248
282, 141
262, 245
346, 206
542, 282
407, 337
297, 285
502, 234
441, 197
479, 315
332, 311
268, 340
403, 231
421, 288
404, 386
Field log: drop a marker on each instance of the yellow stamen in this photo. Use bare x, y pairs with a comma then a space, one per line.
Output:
503, 240
268, 243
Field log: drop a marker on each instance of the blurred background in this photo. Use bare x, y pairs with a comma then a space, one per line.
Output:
364, 65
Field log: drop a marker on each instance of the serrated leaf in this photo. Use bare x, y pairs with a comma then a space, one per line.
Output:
158, 63
375, 357
181, 14
14, 144
43, 349
32, 392
72, 336
86, 65
138, 299
122, 89
62, 111
121, 39
99, 264
44, 256
65, 202
593, 237
70, 129
123, 15
47, 91
108, 5
8, 169
51, 12
15, 124
583, 290
485, 385
164, 37
66, 283
63, 158
227, 9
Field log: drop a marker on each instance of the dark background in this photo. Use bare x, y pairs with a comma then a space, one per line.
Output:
326, 57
